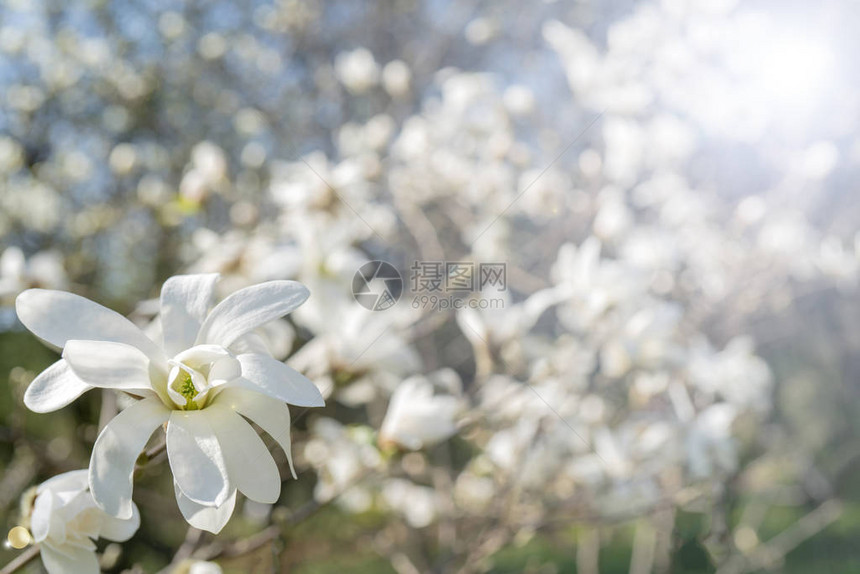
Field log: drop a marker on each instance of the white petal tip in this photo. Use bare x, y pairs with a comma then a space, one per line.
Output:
34, 405
204, 526
270, 499
308, 402
26, 297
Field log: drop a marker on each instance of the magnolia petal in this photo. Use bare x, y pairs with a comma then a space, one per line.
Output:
224, 370
266, 375
57, 317
176, 397
72, 481
185, 301
249, 308
40, 522
120, 530
271, 416
54, 388
249, 463
80, 533
73, 543
196, 459
76, 540
56, 520
250, 343
209, 518
71, 560
117, 449
108, 365
202, 355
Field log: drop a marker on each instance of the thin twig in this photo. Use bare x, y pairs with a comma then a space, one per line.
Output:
149, 455
252, 543
403, 565
588, 551
769, 554
491, 544
247, 545
192, 538
21, 560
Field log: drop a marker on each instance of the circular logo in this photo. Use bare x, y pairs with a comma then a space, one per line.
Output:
377, 285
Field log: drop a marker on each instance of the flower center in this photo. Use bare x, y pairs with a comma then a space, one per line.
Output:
185, 387
196, 374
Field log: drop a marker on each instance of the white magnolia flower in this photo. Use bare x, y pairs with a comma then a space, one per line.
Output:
66, 521
210, 368
416, 417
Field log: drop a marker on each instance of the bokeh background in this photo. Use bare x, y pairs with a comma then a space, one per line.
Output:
671, 384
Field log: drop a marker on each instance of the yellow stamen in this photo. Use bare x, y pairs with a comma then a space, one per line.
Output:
185, 387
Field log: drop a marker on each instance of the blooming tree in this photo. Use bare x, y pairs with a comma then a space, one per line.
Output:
677, 251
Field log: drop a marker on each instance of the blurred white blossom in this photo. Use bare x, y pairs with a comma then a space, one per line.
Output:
66, 523
418, 417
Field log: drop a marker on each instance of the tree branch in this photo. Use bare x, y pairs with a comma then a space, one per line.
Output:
21, 560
